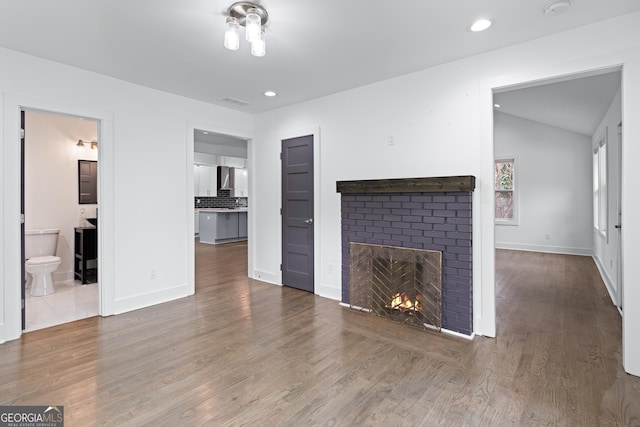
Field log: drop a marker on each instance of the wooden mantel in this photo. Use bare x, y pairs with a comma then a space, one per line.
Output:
409, 185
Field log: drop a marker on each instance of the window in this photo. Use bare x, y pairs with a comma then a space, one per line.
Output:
600, 186
505, 191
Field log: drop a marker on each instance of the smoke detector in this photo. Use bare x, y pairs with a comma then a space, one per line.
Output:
557, 7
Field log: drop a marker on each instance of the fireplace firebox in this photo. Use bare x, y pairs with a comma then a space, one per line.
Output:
401, 284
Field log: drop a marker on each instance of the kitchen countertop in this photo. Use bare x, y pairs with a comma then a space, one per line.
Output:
222, 210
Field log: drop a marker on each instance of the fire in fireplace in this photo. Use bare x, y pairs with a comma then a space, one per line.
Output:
401, 284
403, 303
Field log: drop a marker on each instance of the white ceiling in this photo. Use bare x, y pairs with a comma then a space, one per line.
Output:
314, 48
577, 104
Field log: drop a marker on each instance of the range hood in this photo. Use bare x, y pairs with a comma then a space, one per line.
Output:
226, 178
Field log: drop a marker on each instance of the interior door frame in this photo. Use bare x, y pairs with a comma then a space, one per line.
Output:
318, 288
25, 126
484, 292
12, 262
618, 221
23, 290
192, 126
284, 215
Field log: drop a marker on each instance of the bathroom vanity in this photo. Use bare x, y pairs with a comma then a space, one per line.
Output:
85, 260
220, 225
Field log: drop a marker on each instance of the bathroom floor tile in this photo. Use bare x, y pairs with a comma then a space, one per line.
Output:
71, 301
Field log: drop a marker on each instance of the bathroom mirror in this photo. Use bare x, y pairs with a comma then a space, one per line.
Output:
87, 182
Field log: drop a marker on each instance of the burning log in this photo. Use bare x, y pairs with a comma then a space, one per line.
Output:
405, 304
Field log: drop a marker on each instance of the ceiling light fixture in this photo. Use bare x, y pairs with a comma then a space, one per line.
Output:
253, 17
480, 25
269, 93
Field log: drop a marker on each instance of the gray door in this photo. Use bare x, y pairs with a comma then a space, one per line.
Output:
297, 212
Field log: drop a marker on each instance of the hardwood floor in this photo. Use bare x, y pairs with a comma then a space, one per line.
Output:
242, 352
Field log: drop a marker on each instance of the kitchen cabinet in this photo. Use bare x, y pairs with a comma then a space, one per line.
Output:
222, 225
205, 179
242, 225
241, 183
227, 226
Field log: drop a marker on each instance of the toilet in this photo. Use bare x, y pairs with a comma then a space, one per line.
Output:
39, 251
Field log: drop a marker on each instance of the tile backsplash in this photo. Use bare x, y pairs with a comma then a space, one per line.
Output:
224, 200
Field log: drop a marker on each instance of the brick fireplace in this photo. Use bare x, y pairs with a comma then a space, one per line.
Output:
419, 213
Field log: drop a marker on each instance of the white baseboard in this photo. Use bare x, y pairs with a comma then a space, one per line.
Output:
564, 250
135, 302
328, 292
458, 334
608, 283
264, 276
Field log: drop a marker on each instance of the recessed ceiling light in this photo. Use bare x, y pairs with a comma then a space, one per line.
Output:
496, 105
480, 25
204, 132
557, 7
269, 93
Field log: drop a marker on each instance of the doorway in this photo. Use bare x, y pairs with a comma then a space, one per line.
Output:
557, 190
52, 147
298, 213
221, 201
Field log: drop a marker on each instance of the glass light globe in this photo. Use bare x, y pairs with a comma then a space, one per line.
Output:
259, 47
231, 35
253, 25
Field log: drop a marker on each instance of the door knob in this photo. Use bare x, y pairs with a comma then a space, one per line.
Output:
308, 221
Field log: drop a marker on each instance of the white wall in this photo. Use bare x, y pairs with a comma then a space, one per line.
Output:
146, 179
51, 178
442, 122
554, 187
605, 249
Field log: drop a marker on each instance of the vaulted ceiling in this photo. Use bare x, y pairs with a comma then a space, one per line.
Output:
573, 103
314, 48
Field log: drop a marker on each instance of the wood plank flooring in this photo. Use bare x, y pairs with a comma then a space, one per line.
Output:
242, 352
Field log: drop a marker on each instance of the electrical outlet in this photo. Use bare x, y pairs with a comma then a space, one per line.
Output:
153, 274
330, 268
391, 140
